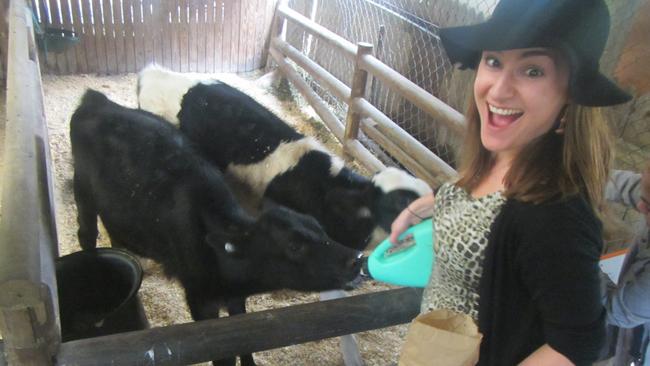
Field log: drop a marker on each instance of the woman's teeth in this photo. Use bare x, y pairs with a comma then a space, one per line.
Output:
504, 111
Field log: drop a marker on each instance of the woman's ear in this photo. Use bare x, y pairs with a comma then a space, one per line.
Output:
561, 120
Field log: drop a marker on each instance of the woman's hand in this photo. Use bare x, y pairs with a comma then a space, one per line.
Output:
412, 214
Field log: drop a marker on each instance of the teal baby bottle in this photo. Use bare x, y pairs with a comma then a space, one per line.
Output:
407, 263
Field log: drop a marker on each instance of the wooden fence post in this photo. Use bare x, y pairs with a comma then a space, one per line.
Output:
28, 295
27, 323
358, 90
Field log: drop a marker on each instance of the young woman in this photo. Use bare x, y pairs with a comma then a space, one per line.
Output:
518, 235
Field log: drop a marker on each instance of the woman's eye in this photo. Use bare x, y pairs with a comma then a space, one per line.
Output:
534, 72
492, 61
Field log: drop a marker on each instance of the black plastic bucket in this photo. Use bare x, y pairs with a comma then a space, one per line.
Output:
98, 293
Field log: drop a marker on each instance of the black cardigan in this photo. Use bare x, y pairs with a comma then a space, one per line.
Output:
540, 283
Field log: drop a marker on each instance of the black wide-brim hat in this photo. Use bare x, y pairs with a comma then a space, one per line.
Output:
578, 28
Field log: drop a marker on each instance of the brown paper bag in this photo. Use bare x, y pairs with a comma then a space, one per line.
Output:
441, 338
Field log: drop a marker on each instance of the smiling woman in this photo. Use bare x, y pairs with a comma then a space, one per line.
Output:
518, 235
519, 94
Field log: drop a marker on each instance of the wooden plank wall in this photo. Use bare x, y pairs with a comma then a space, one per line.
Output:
120, 36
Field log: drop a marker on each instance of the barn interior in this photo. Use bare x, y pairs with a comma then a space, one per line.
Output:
300, 59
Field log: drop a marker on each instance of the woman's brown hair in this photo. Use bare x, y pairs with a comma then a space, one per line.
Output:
553, 166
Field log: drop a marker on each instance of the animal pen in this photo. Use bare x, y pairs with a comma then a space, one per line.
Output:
363, 93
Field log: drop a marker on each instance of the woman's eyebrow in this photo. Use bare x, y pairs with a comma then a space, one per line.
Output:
540, 52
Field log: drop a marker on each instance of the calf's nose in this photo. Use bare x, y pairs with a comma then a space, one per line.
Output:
356, 262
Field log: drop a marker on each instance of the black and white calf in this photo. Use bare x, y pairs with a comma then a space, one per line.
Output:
160, 199
248, 141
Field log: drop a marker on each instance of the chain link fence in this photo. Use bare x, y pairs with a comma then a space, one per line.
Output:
404, 34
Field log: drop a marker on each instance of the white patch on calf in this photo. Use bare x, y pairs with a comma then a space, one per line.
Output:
391, 179
160, 91
283, 158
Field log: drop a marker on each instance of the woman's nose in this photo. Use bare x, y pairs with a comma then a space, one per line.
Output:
503, 87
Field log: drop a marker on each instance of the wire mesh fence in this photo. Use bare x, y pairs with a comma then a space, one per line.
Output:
404, 34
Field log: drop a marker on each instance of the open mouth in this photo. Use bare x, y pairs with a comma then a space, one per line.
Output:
503, 117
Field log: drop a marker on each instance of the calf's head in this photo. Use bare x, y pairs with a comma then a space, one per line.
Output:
360, 216
285, 249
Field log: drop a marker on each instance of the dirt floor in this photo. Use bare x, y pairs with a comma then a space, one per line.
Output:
164, 299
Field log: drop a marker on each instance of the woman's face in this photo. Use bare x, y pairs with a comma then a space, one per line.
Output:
519, 94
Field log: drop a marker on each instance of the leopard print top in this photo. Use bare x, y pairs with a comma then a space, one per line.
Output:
462, 225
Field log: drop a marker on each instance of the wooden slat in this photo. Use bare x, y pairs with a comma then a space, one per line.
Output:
89, 38
227, 36
70, 53
260, 26
118, 26
80, 30
193, 27
138, 40
252, 28
202, 37
129, 37
109, 26
252, 332
44, 20
166, 33
174, 29
209, 36
268, 32
56, 60
100, 41
44, 10
149, 31
184, 36
245, 26
157, 28
218, 37
239, 28
235, 35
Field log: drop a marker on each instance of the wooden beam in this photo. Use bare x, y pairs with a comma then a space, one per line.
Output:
369, 128
401, 138
27, 231
253, 332
414, 94
349, 49
353, 147
334, 85
358, 90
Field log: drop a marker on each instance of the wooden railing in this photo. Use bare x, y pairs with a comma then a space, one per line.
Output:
28, 246
361, 113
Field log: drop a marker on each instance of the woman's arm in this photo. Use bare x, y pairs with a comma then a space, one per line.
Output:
623, 187
545, 355
412, 214
627, 304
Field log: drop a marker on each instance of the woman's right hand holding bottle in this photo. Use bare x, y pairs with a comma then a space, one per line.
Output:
417, 211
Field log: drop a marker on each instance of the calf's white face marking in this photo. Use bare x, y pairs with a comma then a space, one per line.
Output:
283, 158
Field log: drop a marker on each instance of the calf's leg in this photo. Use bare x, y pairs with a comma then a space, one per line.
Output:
203, 307
86, 214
